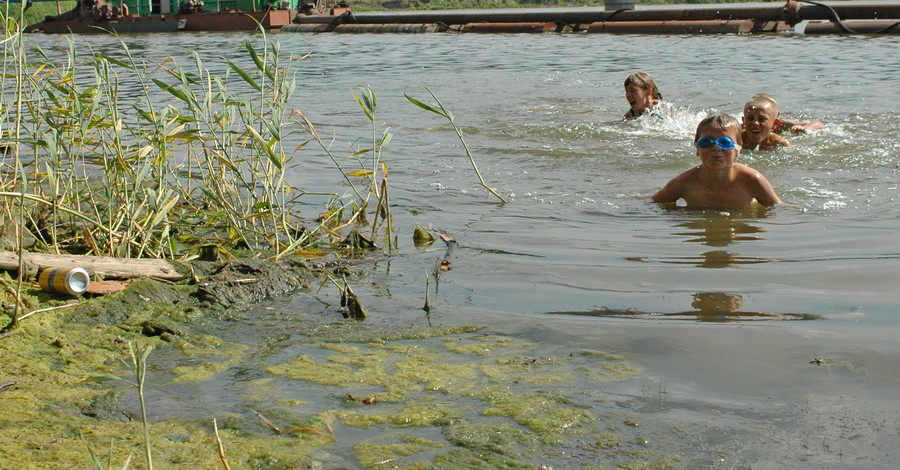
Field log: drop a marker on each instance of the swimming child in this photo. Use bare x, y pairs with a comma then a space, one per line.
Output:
642, 94
718, 182
762, 124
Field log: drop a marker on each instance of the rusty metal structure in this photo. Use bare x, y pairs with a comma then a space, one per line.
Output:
819, 18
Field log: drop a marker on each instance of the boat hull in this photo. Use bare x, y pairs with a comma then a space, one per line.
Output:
205, 21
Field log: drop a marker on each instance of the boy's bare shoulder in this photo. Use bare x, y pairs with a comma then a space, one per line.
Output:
750, 177
745, 171
686, 175
757, 185
685, 179
677, 186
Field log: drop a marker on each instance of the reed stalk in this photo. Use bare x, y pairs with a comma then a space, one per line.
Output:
13, 58
439, 109
138, 364
365, 97
139, 361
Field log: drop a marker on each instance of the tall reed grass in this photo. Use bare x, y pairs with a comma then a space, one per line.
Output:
102, 153
196, 158
12, 171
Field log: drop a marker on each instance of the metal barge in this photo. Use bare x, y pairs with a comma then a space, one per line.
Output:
153, 16
616, 17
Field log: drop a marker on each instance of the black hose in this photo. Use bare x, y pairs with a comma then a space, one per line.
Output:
837, 19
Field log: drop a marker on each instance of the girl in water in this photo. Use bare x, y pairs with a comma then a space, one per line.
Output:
641, 93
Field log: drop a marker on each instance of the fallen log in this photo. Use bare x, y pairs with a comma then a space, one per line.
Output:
105, 267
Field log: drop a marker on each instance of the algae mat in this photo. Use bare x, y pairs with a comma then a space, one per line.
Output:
298, 392
291, 386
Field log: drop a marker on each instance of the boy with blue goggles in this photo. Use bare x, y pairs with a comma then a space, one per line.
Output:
719, 182
723, 142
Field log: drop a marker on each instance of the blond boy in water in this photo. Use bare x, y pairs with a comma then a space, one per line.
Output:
762, 124
719, 182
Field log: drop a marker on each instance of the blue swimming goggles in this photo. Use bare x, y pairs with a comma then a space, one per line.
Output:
723, 142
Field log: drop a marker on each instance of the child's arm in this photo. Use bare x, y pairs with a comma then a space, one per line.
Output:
665, 196
763, 191
672, 191
799, 126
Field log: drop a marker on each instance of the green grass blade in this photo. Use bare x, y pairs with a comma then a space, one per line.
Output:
246, 76
426, 107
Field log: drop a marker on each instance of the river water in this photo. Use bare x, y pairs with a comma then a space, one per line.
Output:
765, 339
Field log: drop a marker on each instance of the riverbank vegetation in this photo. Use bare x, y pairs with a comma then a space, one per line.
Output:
194, 167
106, 154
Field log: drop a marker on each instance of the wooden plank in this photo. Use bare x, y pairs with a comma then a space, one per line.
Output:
103, 266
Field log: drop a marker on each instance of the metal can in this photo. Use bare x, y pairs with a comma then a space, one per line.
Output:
72, 281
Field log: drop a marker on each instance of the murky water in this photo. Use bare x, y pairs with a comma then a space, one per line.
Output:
726, 314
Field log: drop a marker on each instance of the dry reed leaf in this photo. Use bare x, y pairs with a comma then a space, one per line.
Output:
221, 447
106, 287
329, 422
274, 428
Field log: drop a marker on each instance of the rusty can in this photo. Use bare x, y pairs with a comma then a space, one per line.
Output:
72, 281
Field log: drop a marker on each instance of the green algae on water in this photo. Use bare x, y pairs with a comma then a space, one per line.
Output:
477, 378
374, 455
481, 345
549, 415
219, 356
470, 399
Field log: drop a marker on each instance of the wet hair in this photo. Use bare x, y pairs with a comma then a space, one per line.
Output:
722, 121
762, 100
645, 81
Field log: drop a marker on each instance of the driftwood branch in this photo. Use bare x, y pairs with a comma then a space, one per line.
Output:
451, 245
103, 266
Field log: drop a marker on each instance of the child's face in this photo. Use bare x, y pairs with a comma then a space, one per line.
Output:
714, 157
638, 97
759, 120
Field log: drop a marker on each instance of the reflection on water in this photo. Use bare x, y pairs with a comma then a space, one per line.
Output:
715, 229
714, 307
724, 306
709, 259
721, 230
728, 259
